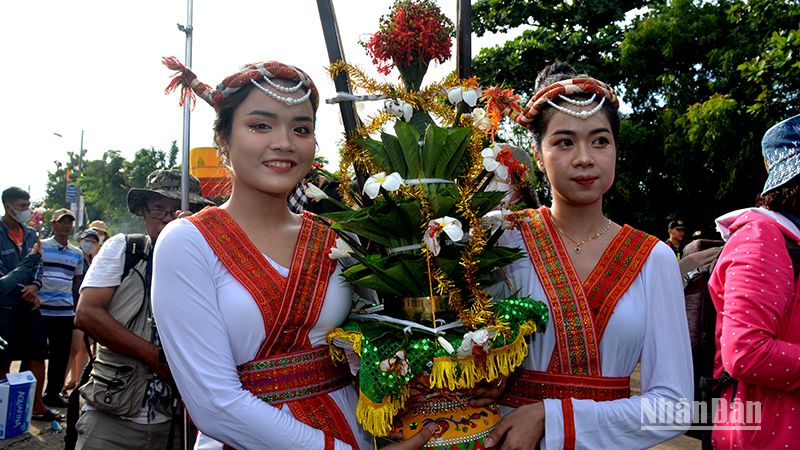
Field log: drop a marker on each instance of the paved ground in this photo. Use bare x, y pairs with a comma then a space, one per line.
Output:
40, 437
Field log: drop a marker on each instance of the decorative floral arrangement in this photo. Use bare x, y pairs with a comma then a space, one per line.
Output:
421, 229
414, 33
37, 218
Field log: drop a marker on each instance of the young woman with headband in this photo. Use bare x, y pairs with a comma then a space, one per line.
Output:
614, 293
245, 294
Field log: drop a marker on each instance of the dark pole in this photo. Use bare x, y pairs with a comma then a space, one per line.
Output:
464, 39
330, 30
333, 42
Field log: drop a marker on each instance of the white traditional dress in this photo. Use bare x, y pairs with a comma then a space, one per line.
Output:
629, 309
246, 338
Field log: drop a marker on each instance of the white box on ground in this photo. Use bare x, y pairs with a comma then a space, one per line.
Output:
16, 403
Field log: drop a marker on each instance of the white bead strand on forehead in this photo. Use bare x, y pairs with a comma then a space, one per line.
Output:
268, 78
291, 101
579, 114
586, 102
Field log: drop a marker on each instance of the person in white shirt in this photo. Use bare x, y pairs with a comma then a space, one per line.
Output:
106, 296
245, 294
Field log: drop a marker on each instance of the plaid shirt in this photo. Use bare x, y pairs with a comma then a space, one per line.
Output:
297, 200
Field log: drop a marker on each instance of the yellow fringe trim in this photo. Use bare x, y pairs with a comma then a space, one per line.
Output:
465, 373
337, 354
377, 418
447, 373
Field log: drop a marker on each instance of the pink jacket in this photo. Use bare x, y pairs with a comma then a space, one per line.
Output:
758, 332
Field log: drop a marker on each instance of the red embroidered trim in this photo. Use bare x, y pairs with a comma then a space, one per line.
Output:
577, 340
569, 423
615, 272
330, 443
307, 284
302, 293
529, 386
236, 252
576, 349
295, 376
301, 298
317, 412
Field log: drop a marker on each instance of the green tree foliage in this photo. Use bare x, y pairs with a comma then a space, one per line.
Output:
583, 32
105, 182
701, 82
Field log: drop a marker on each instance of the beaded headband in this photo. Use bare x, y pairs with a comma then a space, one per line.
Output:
252, 73
562, 90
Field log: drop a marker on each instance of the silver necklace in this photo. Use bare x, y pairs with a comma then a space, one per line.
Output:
578, 245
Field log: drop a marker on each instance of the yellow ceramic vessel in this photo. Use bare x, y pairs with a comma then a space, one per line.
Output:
459, 426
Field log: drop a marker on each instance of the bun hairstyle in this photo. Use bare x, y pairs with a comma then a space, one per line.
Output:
554, 73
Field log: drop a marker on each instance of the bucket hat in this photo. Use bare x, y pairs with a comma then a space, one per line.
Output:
781, 150
166, 183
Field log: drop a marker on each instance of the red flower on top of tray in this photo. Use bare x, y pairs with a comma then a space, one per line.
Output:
414, 33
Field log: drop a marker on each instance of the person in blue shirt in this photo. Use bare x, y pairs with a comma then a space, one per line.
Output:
62, 268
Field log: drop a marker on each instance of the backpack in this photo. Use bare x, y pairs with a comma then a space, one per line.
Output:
135, 252
699, 259
696, 266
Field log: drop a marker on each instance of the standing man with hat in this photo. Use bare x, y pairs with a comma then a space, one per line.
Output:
62, 267
102, 232
138, 411
677, 235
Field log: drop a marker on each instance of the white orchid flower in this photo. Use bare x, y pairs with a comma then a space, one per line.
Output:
397, 363
480, 120
491, 164
468, 95
446, 345
497, 218
399, 108
479, 338
340, 250
451, 227
314, 193
373, 185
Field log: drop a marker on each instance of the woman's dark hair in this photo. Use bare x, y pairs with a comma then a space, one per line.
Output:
556, 72
782, 198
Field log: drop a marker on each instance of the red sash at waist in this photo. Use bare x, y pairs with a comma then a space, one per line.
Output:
529, 386
293, 376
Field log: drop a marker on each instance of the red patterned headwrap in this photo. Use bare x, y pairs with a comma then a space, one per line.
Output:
190, 85
566, 88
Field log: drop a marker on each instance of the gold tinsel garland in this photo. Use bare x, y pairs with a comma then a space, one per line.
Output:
473, 313
427, 99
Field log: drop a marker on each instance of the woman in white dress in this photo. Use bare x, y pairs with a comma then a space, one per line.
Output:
245, 294
614, 293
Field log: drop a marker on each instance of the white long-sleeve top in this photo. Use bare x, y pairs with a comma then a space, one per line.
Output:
209, 324
648, 325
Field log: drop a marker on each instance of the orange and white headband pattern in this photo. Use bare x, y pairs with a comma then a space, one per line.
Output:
563, 90
250, 74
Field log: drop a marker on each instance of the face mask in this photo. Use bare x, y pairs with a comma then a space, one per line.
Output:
88, 247
22, 217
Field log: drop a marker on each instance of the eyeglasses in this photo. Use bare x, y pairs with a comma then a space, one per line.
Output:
159, 214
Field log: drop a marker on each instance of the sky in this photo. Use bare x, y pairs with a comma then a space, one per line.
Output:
95, 66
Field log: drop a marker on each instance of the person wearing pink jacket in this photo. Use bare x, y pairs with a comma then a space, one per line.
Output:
755, 289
